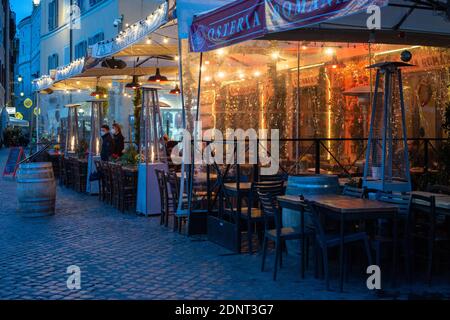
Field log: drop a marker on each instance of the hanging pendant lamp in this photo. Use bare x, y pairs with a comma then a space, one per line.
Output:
157, 77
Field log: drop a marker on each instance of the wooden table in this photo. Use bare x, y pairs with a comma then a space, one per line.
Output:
344, 208
442, 201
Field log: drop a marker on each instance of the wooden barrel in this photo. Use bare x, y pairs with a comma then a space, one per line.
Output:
306, 185
36, 190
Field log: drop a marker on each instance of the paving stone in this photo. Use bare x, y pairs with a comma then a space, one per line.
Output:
125, 256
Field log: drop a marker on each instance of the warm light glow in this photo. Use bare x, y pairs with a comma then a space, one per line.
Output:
166, 40
207, 62
97, 147
221, 74
329, 51
395, 50
304, 47
72, 144
177, 58
257, 74
220, 52
275, 55
149, 41
78, 82
207, 79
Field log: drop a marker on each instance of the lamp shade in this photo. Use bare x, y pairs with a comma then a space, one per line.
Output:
113, 63
133, 84
157, 77
175, 90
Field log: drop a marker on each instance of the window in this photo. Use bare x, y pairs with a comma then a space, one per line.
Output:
66, 55
97, 38
81, 50
53, 15
53, 62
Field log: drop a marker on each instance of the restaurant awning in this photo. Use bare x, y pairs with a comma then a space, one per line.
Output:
402, 22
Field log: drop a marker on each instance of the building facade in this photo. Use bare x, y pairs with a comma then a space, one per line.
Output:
63, 42
28, 64
7, 34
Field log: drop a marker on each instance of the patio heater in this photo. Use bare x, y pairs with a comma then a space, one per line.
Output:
387, 160
153, 152
95, 141
72, 136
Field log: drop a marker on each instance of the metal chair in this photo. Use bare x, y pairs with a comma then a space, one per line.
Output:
272, 214
325, 241
382, 236
353, 192
178, 216
163, 194
427, 227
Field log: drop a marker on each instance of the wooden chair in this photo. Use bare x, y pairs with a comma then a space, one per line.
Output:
383, 235
426, 228
353, 192
182, 216
163, 194
101, 186
115, 174
325, 241
253, 216
127, 190
272, 214
107, 181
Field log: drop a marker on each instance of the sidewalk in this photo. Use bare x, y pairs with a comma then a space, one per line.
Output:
124, 256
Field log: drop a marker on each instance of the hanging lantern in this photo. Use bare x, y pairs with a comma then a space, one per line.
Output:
157, 77
176, 90
113, 63
134, 84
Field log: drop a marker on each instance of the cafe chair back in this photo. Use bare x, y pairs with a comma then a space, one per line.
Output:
326, 240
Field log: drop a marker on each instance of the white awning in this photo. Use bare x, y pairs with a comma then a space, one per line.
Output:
134, 34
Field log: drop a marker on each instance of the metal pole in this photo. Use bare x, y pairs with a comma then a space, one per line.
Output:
197, 117
297, 112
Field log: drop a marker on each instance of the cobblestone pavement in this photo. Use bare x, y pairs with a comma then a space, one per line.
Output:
124, 256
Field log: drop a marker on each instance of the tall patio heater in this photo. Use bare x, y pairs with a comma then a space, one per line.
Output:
153, 152
72, 134
387, 160
97, 121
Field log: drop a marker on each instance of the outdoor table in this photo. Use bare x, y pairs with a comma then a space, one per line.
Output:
239, 191
442, 201
344, 208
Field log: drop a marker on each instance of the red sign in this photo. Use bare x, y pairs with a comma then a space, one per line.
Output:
230, 24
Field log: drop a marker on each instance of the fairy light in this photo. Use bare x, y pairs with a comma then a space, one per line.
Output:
166, 40
329, 51
149, 41
220, 52
207, 79
275, 55
221, 74
257, 74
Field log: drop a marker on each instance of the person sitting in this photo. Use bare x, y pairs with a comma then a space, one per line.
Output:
119, 141
107, 143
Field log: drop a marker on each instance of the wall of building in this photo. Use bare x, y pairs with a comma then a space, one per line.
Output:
94, 20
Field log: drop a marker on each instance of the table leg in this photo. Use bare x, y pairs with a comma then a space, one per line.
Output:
303, 242
238, 224
341, 256
394, 249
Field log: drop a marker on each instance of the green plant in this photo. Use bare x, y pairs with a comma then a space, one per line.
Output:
137, 102
130, 157
444, 150
82, 149
14, 137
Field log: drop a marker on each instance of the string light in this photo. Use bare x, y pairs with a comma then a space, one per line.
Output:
257, 74
221, 74
166, 40
275, 55
329, 51
149, 41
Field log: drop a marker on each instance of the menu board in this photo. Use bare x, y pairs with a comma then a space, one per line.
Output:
16, 155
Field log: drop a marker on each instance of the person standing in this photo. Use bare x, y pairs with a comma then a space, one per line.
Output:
107, 144
119, 141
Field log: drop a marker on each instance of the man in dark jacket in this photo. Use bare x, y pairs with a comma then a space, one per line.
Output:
107, 143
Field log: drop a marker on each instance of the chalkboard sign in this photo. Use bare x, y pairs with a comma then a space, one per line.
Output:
16, 155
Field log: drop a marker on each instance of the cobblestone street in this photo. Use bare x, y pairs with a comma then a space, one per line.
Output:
124, 256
